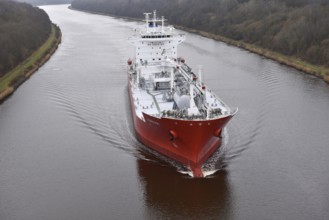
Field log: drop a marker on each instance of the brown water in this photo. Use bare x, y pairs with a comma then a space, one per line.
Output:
68, 150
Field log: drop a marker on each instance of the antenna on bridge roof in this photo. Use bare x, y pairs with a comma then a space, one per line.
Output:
147, 17
155, 15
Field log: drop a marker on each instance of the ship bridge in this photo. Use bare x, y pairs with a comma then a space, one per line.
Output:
155, 42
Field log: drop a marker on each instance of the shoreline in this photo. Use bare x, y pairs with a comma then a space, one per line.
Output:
23, 71
321, 72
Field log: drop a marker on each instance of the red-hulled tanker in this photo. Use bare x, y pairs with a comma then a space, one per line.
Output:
173, 111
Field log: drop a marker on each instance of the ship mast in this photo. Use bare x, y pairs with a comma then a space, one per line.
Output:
162, 24
147, 17
154, 17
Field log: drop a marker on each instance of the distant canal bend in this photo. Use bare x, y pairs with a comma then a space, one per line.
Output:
68, 150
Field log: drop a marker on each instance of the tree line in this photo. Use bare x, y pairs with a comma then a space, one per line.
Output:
297, 28
23, 29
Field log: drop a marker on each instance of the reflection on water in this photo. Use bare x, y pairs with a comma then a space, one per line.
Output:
170, 195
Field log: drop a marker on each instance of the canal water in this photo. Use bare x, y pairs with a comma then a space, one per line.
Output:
68, 150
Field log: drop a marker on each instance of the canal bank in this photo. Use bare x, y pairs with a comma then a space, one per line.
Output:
14, 78
301, 65
318, 71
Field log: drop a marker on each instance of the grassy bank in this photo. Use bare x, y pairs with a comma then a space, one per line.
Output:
319, 71
14, 78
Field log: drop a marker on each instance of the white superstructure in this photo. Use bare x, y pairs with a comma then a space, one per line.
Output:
162, 85
155, 42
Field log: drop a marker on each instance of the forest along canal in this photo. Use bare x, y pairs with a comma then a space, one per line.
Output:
68, 150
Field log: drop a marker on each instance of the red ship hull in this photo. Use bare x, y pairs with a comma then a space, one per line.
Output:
190, 142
